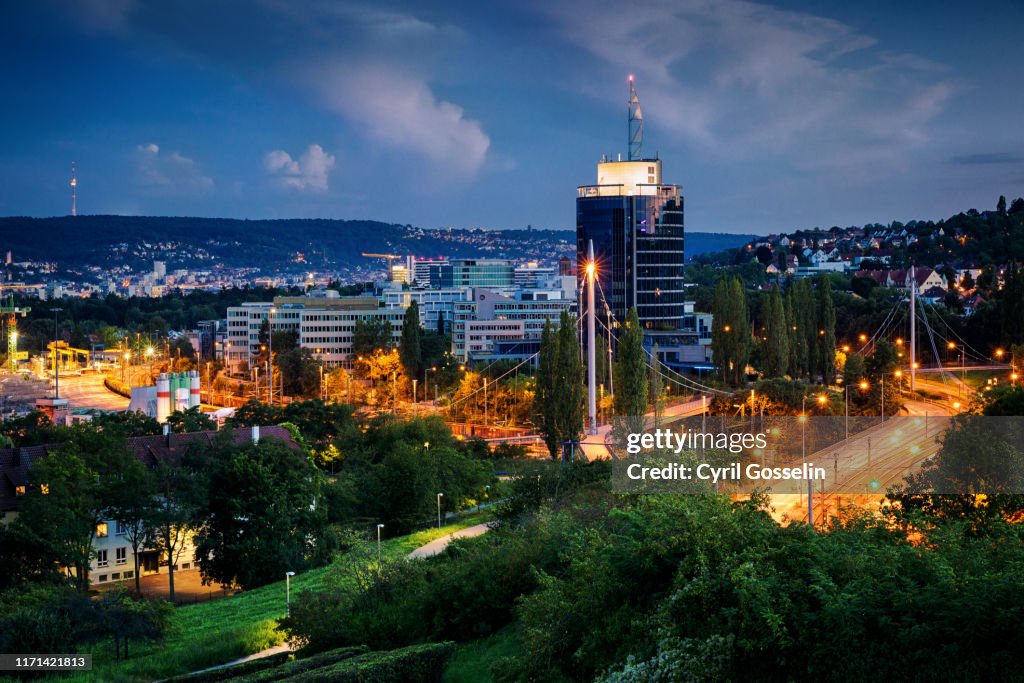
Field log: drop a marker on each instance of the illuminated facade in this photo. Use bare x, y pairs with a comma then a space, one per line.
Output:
636, 224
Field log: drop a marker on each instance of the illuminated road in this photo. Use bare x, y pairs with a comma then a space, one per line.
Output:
87, 391
873, 460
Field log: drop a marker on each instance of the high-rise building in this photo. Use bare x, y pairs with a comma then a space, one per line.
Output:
636, 224
491, 273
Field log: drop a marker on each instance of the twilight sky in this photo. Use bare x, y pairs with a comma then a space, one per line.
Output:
469, 113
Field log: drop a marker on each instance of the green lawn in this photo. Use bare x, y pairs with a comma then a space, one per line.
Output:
472, 661
219, 631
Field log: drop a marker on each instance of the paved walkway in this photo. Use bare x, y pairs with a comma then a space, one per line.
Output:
436, 546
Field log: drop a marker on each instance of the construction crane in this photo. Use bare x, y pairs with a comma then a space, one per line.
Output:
11, 313
388, 257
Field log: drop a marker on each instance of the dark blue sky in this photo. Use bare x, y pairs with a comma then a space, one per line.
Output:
772, 116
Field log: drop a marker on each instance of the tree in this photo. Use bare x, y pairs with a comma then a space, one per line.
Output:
656, 385
631, 390
263, 516
559, 402
544, 399
730, 330
179, 500
777, 344
409, 348
191, 420
63, 507
826, 338
133, 504
570, 407
370, 334
1001, 206
300, 373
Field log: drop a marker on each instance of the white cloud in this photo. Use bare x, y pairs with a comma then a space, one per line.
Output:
743, 79
170, 173
400, 110
308, 172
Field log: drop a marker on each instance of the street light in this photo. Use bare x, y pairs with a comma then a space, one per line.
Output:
379, 565
270, 355
803, 457
963, 365
288, 593
56, 356
439, 511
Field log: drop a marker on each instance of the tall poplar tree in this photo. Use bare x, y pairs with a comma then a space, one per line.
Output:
569, 395
777, 334
826, 331
409, 349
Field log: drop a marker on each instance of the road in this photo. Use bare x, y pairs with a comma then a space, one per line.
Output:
873, 460
87, 391
595, 446
436, 546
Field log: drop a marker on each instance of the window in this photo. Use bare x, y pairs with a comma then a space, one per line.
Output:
129, 575
115, 576
103, 578
121, 529
101, 559
102, 530
44, 489
121, 555
19, 490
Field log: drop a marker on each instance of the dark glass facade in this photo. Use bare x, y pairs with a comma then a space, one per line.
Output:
638, 246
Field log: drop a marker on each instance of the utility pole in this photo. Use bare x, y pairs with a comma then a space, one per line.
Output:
913, 327
56, 356
591, 343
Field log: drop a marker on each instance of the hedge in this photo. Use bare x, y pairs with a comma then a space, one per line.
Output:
414, 664
229, 672
298, 666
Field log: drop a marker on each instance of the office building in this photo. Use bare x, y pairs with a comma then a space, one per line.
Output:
635, 221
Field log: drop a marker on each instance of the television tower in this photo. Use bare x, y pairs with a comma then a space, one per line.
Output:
74, 184
636, 123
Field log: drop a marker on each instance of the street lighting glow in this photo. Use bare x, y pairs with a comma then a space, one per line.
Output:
899, 341
999, 353
149, 350
846, 348
864, 385
950, 345
591, 268
823, 399
863, 337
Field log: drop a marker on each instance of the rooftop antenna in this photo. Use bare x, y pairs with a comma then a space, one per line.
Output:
636, 123
74, 184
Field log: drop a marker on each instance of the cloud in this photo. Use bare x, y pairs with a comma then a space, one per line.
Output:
988, 158
171, 174
400, 110
308, 172
741, 79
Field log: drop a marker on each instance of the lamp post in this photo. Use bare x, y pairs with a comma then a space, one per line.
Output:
379, 565
803, 457
288, 593
56, 356
439, 510
846, 395
270, 355
963, 366
415, 405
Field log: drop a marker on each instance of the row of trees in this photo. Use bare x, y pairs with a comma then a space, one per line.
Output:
797, 331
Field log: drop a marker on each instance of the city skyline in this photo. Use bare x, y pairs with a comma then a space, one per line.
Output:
772, 117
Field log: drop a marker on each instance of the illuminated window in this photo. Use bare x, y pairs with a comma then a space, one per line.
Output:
44, 489
102, 531
19, 490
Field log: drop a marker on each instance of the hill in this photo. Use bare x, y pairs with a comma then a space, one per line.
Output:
75, 243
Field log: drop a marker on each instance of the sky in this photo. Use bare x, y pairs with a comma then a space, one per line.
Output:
772, 117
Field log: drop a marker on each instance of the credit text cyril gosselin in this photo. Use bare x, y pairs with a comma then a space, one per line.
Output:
667, 440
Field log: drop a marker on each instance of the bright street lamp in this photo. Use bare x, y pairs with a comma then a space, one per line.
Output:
288, 593
439, 510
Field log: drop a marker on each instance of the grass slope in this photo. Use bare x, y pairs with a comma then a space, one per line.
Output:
221, 631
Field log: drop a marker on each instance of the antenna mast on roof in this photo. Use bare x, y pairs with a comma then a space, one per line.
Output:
636, 123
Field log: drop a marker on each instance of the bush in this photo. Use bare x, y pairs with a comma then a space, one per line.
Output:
288, 670
236, 671
415, 664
